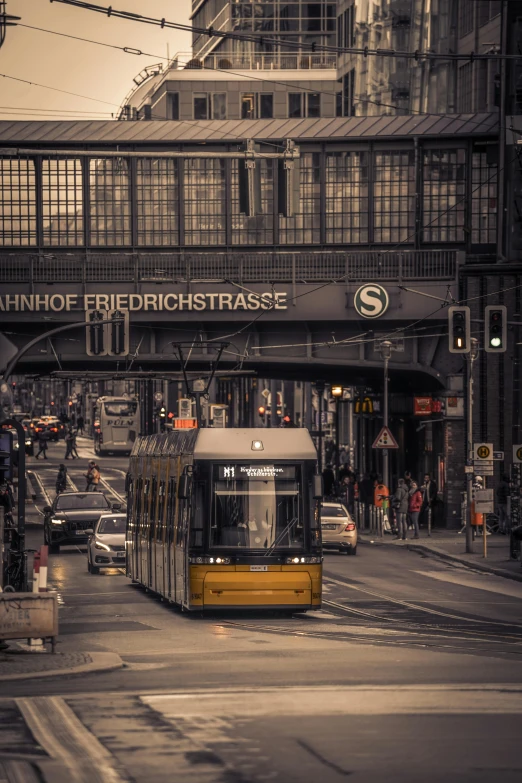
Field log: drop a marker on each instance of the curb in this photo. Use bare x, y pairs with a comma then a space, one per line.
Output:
101, 662
443, 555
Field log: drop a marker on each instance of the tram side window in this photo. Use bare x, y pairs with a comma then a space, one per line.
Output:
145, 514
139, 505
161, 511
153, 501
198, 521
171, 511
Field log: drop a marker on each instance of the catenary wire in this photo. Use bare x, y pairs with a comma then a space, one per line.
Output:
55, 89
109, 11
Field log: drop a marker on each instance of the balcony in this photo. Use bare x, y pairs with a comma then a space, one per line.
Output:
255, 61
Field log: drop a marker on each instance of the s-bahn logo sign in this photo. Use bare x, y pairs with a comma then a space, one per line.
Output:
165, 302
371, 300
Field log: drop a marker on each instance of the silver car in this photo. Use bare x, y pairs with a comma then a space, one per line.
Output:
106, 547
338, 528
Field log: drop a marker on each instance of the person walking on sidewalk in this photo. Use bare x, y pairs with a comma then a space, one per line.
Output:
80, 423
503, 493
414, 507
400, 504
61, 479
429, 497
42, 445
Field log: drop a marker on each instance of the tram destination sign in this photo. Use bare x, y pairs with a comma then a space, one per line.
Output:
256, 472
168, 301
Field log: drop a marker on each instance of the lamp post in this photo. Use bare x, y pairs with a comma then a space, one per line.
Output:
337, 393
319, 388
473, 353
386, 349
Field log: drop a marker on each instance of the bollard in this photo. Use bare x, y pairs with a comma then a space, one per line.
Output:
36, 572
44, 554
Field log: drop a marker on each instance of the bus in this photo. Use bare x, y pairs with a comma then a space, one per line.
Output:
226, 519
116, 424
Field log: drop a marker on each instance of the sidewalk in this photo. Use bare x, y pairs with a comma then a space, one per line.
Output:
19, 664
449, 545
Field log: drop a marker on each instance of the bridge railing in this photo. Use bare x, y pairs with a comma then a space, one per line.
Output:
264, 268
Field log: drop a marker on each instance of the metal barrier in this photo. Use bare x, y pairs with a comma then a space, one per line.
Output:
376, 521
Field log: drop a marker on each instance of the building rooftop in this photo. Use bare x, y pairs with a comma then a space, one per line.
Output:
21, 133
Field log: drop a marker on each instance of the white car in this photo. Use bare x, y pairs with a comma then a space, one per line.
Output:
338, 529
106, 547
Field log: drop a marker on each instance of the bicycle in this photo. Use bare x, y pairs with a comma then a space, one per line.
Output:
15, 573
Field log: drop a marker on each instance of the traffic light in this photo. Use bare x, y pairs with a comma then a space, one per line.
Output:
495, 330
96, 342
459, 329
118, 332
250, 182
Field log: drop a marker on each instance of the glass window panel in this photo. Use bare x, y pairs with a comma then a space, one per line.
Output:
483, 200
304, 228
157, 201
110, 222
204, 201
346, 196
393, 199
257, 230
62, 202
314, 104
219, 106
266, 106
200, 107
17, 202
444, 184
295, 104
248, 106
173, 106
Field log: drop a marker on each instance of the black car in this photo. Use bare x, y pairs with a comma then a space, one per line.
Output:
72, 517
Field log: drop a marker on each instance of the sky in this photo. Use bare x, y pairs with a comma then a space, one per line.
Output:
77, 67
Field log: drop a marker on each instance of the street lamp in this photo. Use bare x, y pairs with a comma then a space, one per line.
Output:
337, 393
385, 349
473, 354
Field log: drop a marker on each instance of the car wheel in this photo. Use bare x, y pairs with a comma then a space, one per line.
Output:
353, 550
95, 570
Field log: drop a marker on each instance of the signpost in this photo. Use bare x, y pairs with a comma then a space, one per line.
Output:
517, 453
385, 440
483, 456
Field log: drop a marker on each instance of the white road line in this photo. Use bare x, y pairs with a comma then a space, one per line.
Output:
43, 489
113, 491
64, 737
73, 485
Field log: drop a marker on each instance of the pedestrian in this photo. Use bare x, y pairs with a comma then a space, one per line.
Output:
414, 507
43, 437
69, 444
503, 493
347, 493
61, 479
400, 503
80, 422
429, 496
92, 476
408, 479
328, 481
73, 445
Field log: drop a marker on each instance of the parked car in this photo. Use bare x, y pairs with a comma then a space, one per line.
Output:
338, 528
72, 517
106, 547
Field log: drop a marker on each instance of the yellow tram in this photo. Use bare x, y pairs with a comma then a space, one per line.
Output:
226, 518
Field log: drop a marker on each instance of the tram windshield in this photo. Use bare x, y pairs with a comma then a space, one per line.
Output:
257, 506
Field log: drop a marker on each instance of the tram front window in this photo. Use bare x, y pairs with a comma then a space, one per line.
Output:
257, 507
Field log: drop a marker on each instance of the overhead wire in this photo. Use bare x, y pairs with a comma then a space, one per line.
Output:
56, 89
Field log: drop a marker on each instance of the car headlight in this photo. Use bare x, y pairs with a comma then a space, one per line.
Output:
99, 545
300, 560
57, 521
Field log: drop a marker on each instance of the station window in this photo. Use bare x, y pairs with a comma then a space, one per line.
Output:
304, 228
444, 189
173, 106
304, 104
483, 200
205, 201
62, 202
347, 197
393, 196
257, 106
157, 201
210, 106
257, 230
110, 221
17, 202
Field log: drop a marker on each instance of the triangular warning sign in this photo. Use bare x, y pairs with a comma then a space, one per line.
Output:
385, 440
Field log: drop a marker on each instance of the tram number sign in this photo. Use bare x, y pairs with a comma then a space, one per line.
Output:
258, 568
517, 452
483, 451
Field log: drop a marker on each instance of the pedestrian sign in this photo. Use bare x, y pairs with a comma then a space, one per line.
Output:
517, 452
482, 451
385, 440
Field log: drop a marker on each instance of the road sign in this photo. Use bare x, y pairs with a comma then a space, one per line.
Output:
385, 440
482, 451
484, 501
517, 452
158, 396
484, 468
498, 455
371, 300
266, 393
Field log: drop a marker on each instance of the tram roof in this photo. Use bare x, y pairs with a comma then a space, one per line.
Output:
230, 444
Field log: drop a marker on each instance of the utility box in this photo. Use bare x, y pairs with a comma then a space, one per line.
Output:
29, 616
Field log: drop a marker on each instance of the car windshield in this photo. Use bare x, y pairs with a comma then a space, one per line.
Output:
120, 408
333, 511
112, 525
257, 506
88, 500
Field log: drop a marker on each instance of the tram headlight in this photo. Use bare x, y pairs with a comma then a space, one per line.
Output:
206, 560
310, 559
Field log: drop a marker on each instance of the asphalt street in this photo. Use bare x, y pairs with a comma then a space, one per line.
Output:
411, 671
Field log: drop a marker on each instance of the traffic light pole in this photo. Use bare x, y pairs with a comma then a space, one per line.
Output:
469, 476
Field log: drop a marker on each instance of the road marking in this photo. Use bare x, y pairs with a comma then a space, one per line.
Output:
113, 491
71, 482
339, 700
43, 489
64, 737
476, 583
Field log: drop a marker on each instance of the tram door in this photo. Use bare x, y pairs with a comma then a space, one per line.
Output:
151, 545
136, 527
170, 536
182, 566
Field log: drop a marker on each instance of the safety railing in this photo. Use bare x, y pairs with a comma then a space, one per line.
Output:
264, 268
